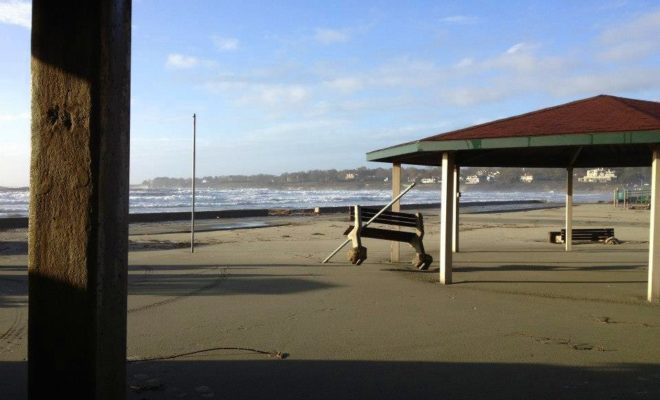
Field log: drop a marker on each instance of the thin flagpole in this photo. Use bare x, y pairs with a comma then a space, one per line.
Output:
192, 214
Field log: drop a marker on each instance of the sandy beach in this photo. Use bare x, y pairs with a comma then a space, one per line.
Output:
253, 314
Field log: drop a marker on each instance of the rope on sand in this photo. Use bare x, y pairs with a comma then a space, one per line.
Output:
272, 354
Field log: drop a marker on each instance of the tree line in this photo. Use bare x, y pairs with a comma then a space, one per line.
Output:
359, 177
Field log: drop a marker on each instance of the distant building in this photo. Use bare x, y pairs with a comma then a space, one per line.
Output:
350, 176
472, 180
527, 178
600, 175
486, 175
428, 181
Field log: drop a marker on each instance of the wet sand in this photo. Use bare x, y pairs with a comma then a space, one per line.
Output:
524, 319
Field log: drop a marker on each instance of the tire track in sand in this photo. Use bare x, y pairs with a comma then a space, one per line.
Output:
221, 276
15, 334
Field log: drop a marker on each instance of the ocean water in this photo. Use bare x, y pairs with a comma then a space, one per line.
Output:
14, 202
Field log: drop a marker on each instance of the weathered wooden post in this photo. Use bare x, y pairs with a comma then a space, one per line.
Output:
78, 234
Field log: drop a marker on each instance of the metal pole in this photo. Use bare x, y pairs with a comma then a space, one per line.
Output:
192, 214
370, 221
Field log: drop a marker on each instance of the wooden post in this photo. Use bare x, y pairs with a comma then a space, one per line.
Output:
569, 209
395, 247
654, 234
194, 165
457, 201
615, 197
446, 218
78, 225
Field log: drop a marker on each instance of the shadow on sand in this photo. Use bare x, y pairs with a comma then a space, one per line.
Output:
214, 281
540, 267
383, 380
524, 268
224, 284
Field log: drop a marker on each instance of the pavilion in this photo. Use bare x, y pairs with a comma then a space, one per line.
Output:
600, 131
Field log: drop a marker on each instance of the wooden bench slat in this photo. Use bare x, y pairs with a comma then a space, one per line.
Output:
386, 214
390, 214
385, 234
389, 218
393, 222
590, 230
593, 234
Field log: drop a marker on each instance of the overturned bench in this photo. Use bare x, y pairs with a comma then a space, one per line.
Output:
358, 215
586, 234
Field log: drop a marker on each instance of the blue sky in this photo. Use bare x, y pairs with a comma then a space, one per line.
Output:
297, 85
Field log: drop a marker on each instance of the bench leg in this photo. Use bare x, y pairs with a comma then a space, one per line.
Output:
422, 261
357, 255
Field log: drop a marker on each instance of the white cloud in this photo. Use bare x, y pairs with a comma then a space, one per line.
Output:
622, 80
16, 13
460, 19
345, 85
14, 117
515, 48
225, 43
285, 132
330, 36
412, 85
278, 94
522, 57
522, 47
628, 51
180, 61
467, 96
638, 28
612, 5
464, 63
407, 72
561, 83
632, 40
15, 162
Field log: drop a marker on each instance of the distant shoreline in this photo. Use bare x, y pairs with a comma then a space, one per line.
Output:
482, 187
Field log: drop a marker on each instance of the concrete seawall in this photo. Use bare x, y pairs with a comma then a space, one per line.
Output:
22, 222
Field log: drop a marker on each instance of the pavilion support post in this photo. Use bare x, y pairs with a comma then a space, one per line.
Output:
569, 209
395, 247
654, 234
446, 218
78, 229
457, 201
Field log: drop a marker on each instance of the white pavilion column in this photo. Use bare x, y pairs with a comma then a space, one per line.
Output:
395, 247
457, 201
446, 218
654, 234
569, 209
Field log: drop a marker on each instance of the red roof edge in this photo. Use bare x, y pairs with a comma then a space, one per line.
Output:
641, 106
